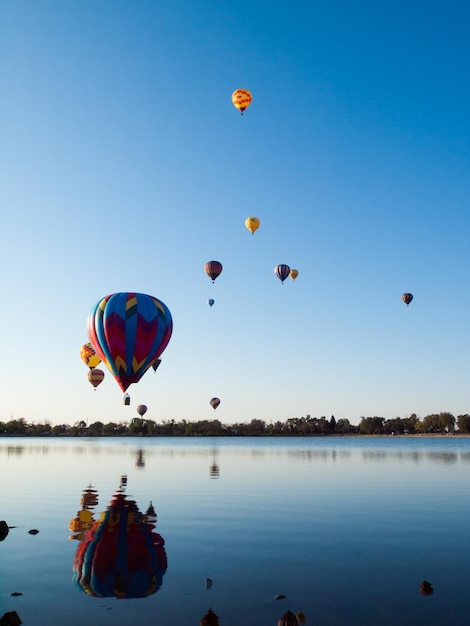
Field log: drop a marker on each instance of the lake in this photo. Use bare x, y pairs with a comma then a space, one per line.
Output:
157, 530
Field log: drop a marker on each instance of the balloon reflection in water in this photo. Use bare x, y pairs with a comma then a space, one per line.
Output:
140, 461
214, 470
121, 555
84, 518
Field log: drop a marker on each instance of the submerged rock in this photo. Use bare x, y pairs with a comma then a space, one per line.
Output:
425, 589
10, 619
4, 530
209, 619
280, 596
288, 619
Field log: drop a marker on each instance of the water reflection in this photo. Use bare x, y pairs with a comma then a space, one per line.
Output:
435, 456
214, 470
140, 460
120, 554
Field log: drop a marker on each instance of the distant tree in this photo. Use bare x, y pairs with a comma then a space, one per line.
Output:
96, 429
332, 424
16, 427
343, 426
439, 422
463, 423
58, 430
372, 426
447, 422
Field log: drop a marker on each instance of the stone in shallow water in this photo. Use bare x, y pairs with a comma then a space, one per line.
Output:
4, 530
10, 619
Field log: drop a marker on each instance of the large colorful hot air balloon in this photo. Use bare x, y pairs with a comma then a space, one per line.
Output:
129, 331
213, 269
89, 356
141, 410
407, 298
214, 403
121, 556
241, 99
293, 274
252, 223
96, 377
282, 272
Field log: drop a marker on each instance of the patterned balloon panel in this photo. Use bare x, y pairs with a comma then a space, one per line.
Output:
129, 331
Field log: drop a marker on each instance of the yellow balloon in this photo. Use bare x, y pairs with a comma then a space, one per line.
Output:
89, 356
241, 99
293, 274
252, 223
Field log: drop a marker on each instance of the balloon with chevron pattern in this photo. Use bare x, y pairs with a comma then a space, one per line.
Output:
129, 331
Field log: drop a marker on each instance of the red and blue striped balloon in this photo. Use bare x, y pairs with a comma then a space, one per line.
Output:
129, 331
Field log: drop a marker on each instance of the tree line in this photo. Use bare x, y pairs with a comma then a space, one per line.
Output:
443, 423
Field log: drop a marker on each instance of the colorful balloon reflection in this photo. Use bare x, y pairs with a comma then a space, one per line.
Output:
120, 555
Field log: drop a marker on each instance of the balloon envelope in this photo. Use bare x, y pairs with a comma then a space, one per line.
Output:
293, 274
214, 403
141, 410
129, 331
407, 298
211, 302
282, 272
213, 269
95, 376
241, 99
252, 223
89, 356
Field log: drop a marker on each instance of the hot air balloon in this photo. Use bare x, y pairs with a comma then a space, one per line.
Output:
241, 99
213, 269
214, 403
95, 376
252, 223
141, 410
121, 556
293, 274
407, 298
282, 272
129, 331
211, 302
89, 356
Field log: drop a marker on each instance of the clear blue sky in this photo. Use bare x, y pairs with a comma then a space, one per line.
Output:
125, 167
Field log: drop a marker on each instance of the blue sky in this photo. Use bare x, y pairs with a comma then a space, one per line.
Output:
125, 167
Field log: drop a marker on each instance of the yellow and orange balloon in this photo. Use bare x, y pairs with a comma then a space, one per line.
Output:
89, 356
241, 99
252, 223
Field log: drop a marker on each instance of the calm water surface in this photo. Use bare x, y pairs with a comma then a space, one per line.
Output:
345, 528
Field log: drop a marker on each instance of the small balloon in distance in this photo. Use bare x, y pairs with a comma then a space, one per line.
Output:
252, 223
282, 271
213, 269
214, 403
241, 99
